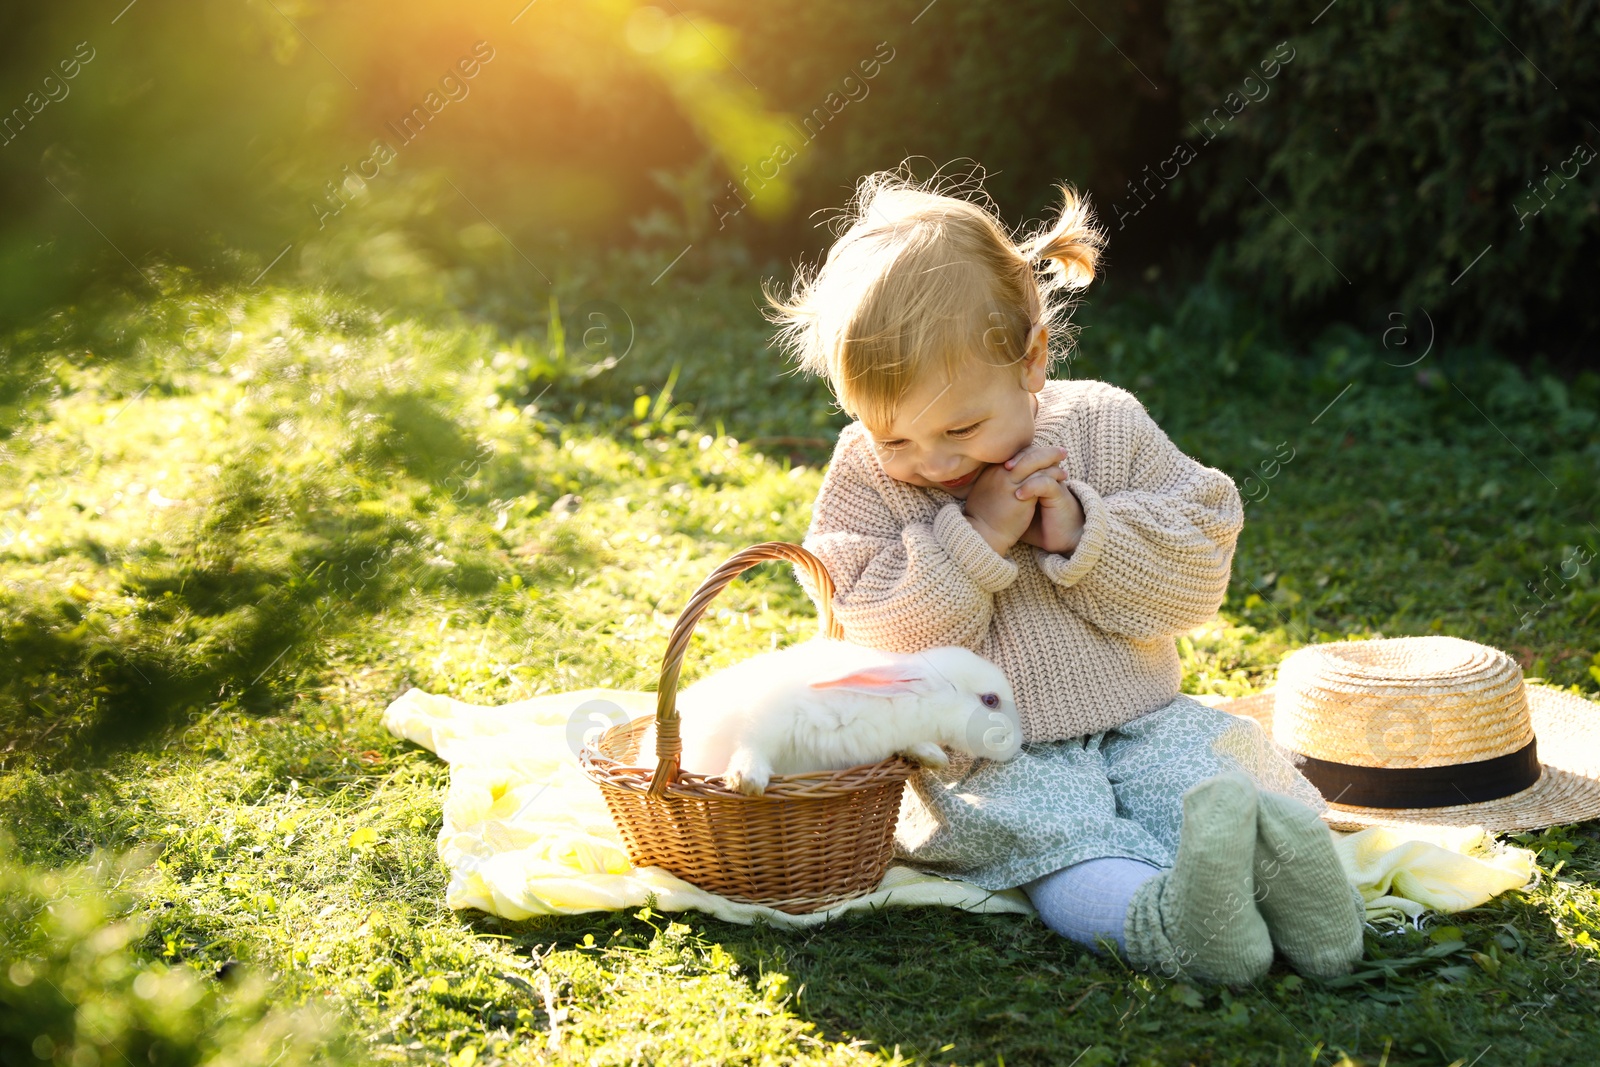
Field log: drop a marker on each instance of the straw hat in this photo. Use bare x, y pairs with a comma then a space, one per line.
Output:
1432, 730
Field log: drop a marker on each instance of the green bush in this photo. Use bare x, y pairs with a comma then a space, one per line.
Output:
1033, 91
75, 989
1406, 156
1413, 153
218, 142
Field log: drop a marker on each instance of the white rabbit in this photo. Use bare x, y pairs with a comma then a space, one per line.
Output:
828, 705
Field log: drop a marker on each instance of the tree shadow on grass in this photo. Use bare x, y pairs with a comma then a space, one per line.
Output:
213, 617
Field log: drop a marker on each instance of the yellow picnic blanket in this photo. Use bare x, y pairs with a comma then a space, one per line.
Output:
1403, 873
527, 833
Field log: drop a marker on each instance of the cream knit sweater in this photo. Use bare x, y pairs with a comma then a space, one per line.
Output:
1086, 639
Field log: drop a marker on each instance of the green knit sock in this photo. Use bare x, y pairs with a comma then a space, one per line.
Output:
1314, 914
1200, 918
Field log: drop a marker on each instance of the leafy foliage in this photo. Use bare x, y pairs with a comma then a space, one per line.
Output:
1409, 155
75, 987
1401, 143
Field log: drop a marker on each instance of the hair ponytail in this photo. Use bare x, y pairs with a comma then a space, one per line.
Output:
1071, 247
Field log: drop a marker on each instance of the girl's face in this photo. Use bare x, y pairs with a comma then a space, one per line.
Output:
946, 432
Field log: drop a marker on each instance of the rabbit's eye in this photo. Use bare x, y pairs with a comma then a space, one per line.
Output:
990, 700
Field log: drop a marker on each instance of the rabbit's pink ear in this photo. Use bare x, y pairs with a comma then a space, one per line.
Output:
887, 680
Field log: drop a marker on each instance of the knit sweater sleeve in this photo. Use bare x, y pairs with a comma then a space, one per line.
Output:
900, 586
1159, 532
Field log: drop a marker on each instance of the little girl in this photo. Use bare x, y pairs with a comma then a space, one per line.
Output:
1052, 527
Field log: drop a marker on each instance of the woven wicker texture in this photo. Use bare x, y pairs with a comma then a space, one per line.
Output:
1401, 702
811, 841
1568, 787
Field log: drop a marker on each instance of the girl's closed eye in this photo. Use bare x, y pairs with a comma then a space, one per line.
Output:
963, 432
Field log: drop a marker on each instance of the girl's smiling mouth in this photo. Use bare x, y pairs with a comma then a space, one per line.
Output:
965, 479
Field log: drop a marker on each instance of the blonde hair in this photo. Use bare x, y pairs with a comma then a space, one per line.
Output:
924, 276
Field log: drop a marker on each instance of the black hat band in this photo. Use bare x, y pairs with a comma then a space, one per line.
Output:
1422, 787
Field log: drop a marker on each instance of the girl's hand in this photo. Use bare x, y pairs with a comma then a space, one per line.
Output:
1057, 524
999, 508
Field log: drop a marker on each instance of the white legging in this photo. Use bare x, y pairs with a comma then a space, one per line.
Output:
1089, 900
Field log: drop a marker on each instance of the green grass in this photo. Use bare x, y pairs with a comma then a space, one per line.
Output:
233, 525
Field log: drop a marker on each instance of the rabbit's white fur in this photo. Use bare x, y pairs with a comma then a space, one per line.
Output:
828, 705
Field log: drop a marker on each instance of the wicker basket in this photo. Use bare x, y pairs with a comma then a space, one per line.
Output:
810, 842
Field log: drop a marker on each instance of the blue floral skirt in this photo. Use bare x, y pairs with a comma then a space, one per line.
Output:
1113, 793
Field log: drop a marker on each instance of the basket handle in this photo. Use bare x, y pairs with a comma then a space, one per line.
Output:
669, 748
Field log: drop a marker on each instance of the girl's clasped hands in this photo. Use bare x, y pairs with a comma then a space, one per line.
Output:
1024, 499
